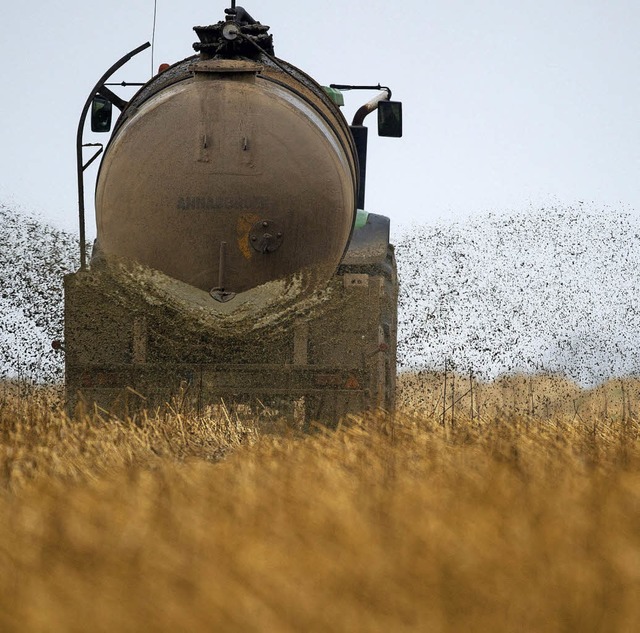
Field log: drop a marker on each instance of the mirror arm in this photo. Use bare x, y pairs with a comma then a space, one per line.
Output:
109, 95
98, 152
79, 161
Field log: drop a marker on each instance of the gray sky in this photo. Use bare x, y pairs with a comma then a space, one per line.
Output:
507, 104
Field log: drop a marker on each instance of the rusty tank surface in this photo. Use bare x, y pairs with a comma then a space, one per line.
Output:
234, 261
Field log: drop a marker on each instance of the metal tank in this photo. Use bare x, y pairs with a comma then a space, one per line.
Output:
229, 173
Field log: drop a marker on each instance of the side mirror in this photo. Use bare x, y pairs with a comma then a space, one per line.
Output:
100, 114
390, 118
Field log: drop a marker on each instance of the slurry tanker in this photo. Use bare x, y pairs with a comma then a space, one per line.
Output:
234, 261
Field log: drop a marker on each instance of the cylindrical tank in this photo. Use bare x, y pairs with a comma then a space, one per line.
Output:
249, 153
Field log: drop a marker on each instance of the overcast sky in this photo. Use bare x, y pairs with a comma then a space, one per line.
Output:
507, 104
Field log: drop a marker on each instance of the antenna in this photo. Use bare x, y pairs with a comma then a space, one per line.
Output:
153, 35
233, 4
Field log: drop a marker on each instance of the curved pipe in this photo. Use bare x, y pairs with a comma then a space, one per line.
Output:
370, 106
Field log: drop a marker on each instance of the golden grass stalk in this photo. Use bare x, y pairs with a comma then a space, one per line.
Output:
496, 522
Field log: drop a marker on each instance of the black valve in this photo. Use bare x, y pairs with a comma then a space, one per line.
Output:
265, 236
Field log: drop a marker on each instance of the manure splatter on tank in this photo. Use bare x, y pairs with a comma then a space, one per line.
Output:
263, 308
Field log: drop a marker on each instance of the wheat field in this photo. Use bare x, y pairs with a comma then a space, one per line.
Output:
515, 509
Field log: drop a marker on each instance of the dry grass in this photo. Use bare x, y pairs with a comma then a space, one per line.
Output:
520, 513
